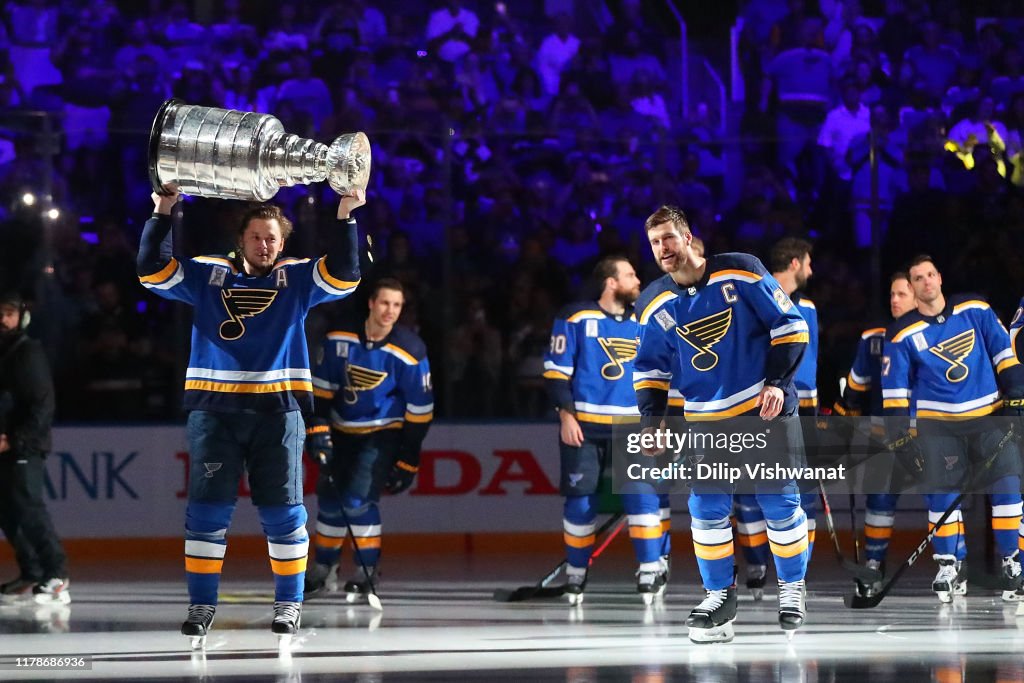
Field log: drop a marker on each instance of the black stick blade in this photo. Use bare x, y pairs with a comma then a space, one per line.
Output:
524, 593
857, 601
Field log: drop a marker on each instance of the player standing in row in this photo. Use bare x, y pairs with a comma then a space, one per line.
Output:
950, 357
790, 260
588, 371
374, 405
247, 384
862, 396
1016, 407
724, 324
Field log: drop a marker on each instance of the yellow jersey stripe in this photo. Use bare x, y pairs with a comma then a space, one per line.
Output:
789, 550
753, 540
797, 338
165, 273
967, 414
404, 355
321, 267
896, 403
236, 388
323, 393
1008, 363
419, 417
578, 541
579, 315
907, 331
713, 552
555, 374
202, 565
732, 272
655, 305
650, 384
367, 430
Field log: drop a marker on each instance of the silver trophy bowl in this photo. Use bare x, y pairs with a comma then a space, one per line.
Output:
231, 154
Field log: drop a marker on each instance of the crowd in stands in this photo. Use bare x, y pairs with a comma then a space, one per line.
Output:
514, 145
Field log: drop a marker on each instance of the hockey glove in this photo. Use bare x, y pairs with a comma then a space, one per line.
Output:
402, 475
908, 454
319, 444
1014, 407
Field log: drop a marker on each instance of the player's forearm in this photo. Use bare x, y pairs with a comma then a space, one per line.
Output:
1011, 381
652, 403
783, 361
560, 394
152, 258
413, 434
343, 251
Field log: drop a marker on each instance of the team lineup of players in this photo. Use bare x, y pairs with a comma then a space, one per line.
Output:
720, 337
714, 339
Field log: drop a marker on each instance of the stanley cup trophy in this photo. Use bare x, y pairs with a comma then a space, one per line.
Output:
211, 152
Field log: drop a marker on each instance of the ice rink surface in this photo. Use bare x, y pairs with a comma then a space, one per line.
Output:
443, 625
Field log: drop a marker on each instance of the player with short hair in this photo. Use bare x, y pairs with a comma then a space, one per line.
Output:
374, 405
952, 358
588, 372
790, 263
246, 386
862, 396
722, 330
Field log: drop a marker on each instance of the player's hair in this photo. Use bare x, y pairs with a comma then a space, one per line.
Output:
787, 249
606, 268
266, 212
386, 283
899, 275
919, 259
668, 214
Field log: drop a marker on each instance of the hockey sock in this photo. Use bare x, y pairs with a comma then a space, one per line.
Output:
288, 545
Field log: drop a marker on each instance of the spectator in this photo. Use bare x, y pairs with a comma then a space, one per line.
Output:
935, 62
889, 159
306, 93
286, 34
849, 119
450, 29
555, 52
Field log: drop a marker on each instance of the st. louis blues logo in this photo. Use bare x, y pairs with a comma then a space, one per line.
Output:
619, 352
361, 379
703, 334
241, 304
953, 351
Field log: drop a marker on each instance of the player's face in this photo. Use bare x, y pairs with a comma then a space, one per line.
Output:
803, 272
9, 317
669, 246
627, 284
386, 307
926, 281
262, 244
901, 298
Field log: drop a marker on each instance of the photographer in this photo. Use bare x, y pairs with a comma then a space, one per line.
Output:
26, 414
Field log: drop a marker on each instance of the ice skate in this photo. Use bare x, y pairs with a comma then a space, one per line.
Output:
320, 579
871, 588
575, 584
948, 582
711, 620
791, 606
357, 589
651, 584
197, 624
17, 589
756, 574
1011, 576
287, 616
52, 591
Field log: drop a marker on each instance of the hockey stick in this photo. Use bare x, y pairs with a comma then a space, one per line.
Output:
543, 589
853, 527
858, 601
859, 571
372, 598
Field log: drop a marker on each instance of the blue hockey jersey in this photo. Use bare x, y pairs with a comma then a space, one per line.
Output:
806, 378
863, 392
248, 343
363, 386
952, 363
588, 367
718, 342
1015, 326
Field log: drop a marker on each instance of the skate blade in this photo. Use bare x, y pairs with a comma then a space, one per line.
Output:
648, 599
944, 597
716, 634
353, 598
374, 602
574, 599
198, 642
757, 594
1012, 596
1020, 610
